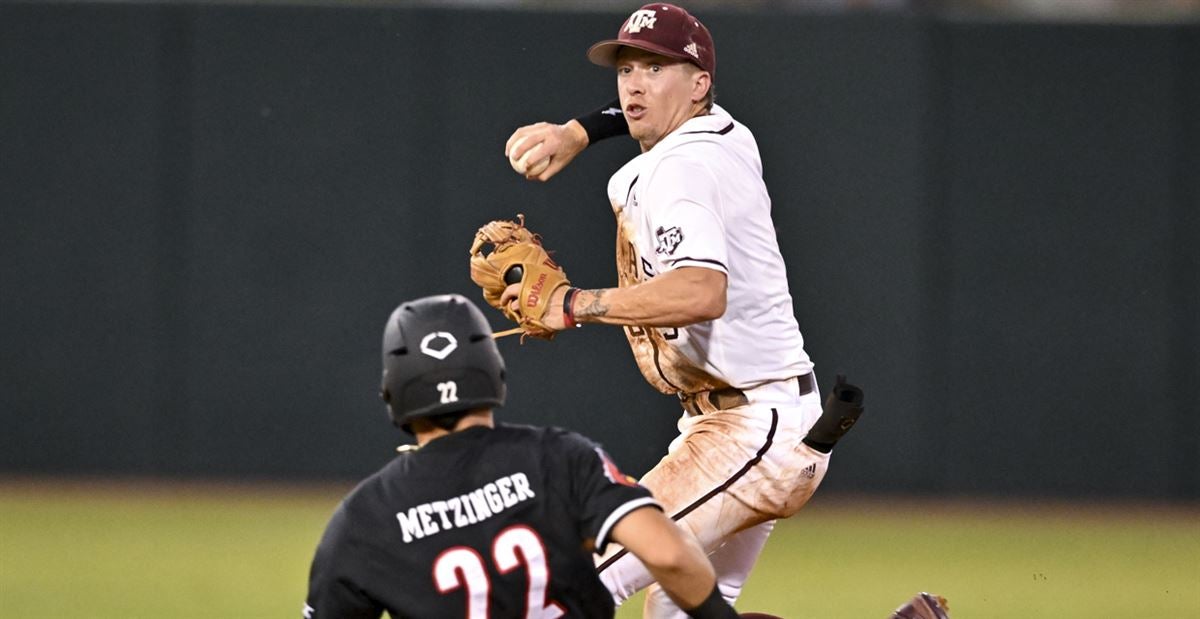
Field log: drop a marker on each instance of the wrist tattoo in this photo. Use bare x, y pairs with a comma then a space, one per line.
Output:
597, 306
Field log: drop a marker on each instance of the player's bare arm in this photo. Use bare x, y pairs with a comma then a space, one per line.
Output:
677, 298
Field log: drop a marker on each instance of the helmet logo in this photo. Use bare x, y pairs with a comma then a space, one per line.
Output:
449, 346
640, 19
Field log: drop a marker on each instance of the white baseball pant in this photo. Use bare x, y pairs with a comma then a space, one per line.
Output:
725, 479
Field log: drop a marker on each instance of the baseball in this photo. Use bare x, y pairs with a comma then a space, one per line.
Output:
523, 166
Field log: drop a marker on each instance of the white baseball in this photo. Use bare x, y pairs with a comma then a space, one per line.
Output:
523, 166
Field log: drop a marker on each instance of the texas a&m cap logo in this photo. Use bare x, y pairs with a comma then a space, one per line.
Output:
640, 19
663, 29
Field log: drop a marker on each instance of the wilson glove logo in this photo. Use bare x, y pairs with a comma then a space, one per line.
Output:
535, 291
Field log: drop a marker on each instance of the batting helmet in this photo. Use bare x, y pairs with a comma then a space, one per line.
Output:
439, 357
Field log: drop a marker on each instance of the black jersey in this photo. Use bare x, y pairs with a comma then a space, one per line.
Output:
485, 522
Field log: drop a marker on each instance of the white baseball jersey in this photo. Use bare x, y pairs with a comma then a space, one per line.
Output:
697, 199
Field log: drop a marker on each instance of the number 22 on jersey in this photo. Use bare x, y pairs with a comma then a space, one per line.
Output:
462, 566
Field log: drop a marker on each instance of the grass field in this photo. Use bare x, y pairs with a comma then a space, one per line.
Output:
105, 549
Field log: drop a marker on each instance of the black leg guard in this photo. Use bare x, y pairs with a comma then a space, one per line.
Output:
842, 408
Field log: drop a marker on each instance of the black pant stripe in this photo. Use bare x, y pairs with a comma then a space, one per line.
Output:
715, 491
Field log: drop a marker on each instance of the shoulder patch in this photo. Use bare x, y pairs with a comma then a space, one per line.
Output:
667, 240
613, 473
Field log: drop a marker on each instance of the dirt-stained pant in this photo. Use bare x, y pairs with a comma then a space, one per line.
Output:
726, 478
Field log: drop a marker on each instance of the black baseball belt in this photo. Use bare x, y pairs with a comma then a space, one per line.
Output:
732, 397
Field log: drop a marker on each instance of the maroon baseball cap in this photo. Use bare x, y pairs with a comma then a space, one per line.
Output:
662, 29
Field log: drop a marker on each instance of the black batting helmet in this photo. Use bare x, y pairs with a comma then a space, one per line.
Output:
439, 357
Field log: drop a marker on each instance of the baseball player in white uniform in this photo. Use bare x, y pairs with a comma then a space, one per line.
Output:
703, 298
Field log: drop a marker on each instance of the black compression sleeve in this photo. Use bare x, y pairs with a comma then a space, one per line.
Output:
713, 607
604, 122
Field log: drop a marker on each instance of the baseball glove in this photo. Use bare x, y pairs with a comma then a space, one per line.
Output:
517, 256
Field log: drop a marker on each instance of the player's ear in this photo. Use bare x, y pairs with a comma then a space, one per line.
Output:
701, 83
